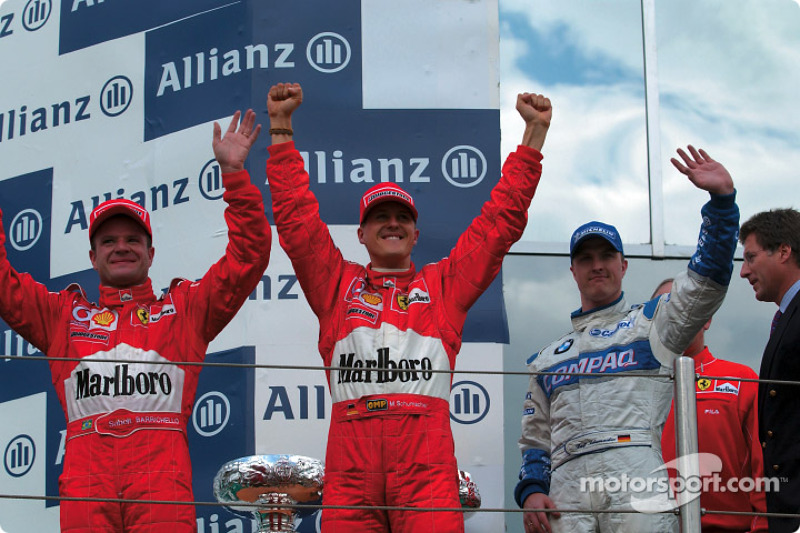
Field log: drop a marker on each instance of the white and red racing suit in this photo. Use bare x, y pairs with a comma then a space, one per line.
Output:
126, 419
727, 426
390, 442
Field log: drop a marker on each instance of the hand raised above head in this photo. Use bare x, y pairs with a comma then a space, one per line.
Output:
232, 150
282, 100
703, 171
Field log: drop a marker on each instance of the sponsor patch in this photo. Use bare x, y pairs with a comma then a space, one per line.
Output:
635, 356
165, 311
703, 383
363, 314
371, 299
104, 319
402, 301
95, 336
377, 405
625, 324
530, 411
143, 315
726, 387
566, 345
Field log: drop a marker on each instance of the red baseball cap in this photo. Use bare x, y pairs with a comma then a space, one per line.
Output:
385, 192
119, 206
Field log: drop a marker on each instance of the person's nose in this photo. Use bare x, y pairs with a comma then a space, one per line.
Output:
745, 270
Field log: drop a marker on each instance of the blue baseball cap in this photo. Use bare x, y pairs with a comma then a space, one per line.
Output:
595, 229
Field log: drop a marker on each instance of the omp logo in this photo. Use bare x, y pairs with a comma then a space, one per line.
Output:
464, 166
19, 456
116, 96
211, 413
328, 52
36, 13
210, 181
25, 229
469, 402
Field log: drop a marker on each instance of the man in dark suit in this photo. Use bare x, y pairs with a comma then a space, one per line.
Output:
771, 242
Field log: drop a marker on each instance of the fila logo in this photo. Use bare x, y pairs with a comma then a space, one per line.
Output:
328, 52
25, 229
464, 166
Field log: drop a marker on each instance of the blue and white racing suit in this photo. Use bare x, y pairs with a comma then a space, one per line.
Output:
587, 441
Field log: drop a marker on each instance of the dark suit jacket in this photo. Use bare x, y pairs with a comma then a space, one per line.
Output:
779, 417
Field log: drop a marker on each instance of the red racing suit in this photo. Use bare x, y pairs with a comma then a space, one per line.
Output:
126, 419
390, 442
727, 426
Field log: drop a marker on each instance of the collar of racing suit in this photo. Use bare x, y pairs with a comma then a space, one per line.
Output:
581, 320
114, 297
399, 280
703, 358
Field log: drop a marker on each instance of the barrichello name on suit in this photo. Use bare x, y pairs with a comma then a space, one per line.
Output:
383, 369
122, 383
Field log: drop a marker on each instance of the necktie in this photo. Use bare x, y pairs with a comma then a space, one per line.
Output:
775, 321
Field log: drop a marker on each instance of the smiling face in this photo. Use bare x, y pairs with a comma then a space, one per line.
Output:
598, 270
121, 253
389, 233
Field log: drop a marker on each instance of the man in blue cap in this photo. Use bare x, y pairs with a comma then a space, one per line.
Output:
591, 433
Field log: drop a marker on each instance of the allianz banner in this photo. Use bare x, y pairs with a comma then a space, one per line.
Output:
116, 98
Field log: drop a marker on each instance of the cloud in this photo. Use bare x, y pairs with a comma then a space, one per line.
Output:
727, 83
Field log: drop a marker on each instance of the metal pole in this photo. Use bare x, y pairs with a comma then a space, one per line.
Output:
652, 107
687, 491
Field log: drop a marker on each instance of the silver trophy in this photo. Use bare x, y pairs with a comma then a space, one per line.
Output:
468, 492
272, 481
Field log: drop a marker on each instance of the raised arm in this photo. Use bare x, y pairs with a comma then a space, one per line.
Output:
227, 284
232, 150
536, 111
704, 172
698, 291
282, 100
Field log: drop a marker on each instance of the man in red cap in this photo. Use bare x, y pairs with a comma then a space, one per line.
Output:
126, 406
389, 327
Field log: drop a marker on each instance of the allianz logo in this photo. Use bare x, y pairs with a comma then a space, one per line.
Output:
34, 16
25, 229
469, 402
113, 99
211, 413
19, 456
326, 52
462, 166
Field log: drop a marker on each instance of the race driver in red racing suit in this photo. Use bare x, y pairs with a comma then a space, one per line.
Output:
389, 325
126, 419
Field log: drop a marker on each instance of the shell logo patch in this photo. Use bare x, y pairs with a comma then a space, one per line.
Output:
103, 319
372, 299
143, 315
703, 383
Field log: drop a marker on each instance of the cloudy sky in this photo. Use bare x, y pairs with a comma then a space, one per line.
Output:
727, 79
727, 82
